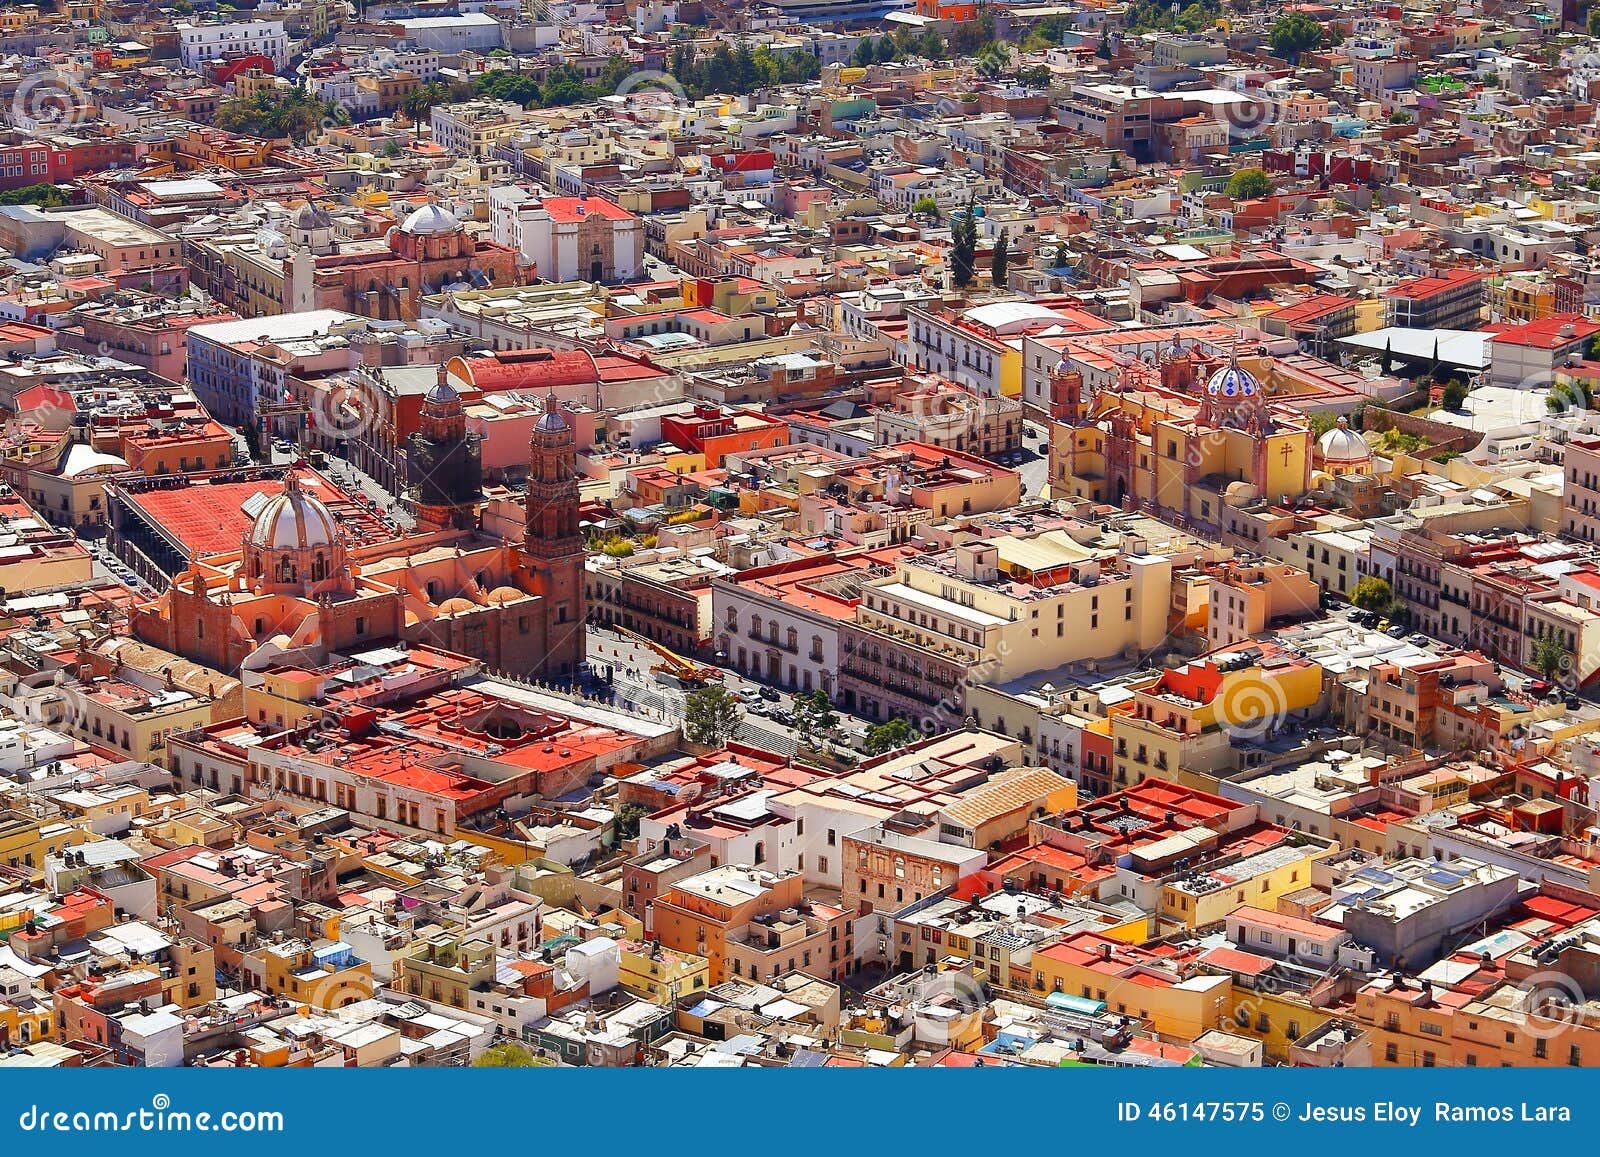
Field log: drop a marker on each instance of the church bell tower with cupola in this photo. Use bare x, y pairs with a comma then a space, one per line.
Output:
552, 542
444, 463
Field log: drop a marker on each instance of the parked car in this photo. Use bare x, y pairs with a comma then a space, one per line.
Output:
770, 694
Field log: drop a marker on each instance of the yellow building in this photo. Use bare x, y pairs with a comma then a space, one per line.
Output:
23, 1023
192, 981
1249, 598
1275, 1018
323, 975
1185, 719
25, 841
662, 975
1202, 900
1160, 990
1163, 442
444, 969
284, 698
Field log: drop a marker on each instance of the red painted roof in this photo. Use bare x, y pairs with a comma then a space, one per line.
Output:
544, 369
755, 161
1428, 286
571, 209
1546, 333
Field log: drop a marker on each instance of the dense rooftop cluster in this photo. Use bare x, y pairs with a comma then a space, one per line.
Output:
798, 533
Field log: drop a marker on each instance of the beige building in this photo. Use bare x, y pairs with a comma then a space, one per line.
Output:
993, 610
1250, 598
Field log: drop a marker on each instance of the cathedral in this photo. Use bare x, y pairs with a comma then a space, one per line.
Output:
1183, 437
297, 590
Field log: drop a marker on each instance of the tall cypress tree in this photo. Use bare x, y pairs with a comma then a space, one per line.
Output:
1001, 258
963, 249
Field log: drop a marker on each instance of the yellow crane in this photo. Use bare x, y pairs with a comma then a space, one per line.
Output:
685, 671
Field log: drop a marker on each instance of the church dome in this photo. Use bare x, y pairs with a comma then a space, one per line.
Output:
441, 393
312, 216
1232, 383
272, 243
429, 221
500, 596
1239, 494
1342, 444
456, 606
551, 421
293, 520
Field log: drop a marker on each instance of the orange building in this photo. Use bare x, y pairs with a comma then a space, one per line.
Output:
941, 10
703, 913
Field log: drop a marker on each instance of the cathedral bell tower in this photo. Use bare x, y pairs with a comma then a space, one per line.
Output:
444, 463
552, 545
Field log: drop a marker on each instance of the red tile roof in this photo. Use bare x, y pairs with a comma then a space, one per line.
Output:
572, 209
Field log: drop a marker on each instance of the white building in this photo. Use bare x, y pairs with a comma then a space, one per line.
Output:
569, 238
472, 32
200, 43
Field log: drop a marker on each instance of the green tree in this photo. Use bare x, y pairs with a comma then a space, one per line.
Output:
931, 45
992, 60
45, 196
866, 53
508, 1055
1551, 657
1593, 23
419, 102
1569, 394
1063, 256
888, 736
1293, 34
293, 113
1000, 259
886, 51
711, 716
926, 206
1455, 393
969, 37
963, 249
813, 714
1248, 185
628, 817
1036, 76
502, 84
1372, 594
905, 40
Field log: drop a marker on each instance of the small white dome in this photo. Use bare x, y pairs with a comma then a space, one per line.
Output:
429, 220
1342, 444
312, 216
292, 520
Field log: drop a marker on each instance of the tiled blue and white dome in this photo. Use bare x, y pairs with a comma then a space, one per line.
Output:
1231, 383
